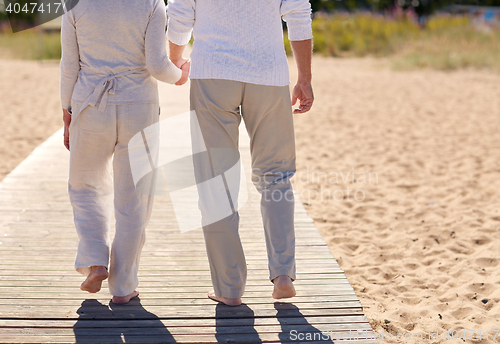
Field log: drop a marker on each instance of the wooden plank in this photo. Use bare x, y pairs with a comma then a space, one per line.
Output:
184, 305
166, 337
178, 269
155, 312
249, 297
165, 301
259, 321
193, 330
166, 283
329, 288
354, 322
154, 276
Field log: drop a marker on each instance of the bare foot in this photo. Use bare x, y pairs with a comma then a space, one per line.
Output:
94, 280
124, 299
224, 300
283, 287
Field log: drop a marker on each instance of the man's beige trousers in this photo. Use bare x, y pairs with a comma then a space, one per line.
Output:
267, 111
99, 170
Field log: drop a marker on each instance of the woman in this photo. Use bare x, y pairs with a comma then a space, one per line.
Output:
112, 53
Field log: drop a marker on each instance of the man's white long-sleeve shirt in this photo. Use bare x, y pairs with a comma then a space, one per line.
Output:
240, 40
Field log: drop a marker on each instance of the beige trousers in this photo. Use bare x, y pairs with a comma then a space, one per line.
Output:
100, 181
220, 105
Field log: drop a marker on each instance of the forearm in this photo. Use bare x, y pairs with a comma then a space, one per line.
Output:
175, 52
181, 18
302, 52
157, 61
67, 85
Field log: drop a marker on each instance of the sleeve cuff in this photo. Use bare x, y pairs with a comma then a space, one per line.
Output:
299, 33
65, 100
66, 106
176, 74
177, 37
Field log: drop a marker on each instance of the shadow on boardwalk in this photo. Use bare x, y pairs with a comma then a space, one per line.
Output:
117, 324
300, 325
288, 315
132, 323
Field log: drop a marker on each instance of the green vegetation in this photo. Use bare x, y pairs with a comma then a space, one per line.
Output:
449, 47
360, 35
445, 43
30, 44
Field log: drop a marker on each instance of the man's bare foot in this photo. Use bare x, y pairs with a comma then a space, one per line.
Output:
283, 287
94, 280
225, 300
124, 299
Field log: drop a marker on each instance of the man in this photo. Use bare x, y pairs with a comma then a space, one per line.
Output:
239, 70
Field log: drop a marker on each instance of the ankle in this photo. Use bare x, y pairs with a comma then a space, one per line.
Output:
282, 278
98, 267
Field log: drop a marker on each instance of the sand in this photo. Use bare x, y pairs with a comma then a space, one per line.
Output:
417, 230
418, 234
30, 110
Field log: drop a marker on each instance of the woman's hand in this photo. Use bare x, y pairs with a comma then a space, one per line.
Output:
185, 67
67, 122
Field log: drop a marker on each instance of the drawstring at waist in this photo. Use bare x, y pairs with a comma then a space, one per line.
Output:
103, 88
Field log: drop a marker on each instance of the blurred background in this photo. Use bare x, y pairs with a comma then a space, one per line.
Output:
441, 34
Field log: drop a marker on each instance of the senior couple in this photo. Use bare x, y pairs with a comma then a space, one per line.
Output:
113, 53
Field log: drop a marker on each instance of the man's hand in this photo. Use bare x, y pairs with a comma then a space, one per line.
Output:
185, 67
303, 92
175, 55
302, 51
67, 122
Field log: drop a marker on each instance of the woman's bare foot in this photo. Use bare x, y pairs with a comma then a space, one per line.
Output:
225, 300
124, 299
283, 287
94, 280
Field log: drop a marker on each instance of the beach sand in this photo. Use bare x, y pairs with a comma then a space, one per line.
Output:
417, 230
30, 110
418, 234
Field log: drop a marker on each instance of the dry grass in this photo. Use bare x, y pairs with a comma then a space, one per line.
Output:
450, 49
30, 45
446, 42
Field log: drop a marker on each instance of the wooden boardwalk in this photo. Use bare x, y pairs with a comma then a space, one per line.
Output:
40, 300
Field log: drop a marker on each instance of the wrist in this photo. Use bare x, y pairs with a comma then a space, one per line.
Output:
177, 63
177, 60
304, 80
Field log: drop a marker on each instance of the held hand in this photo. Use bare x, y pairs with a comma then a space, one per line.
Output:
304, 93
67, 122
185, 73
180, 62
